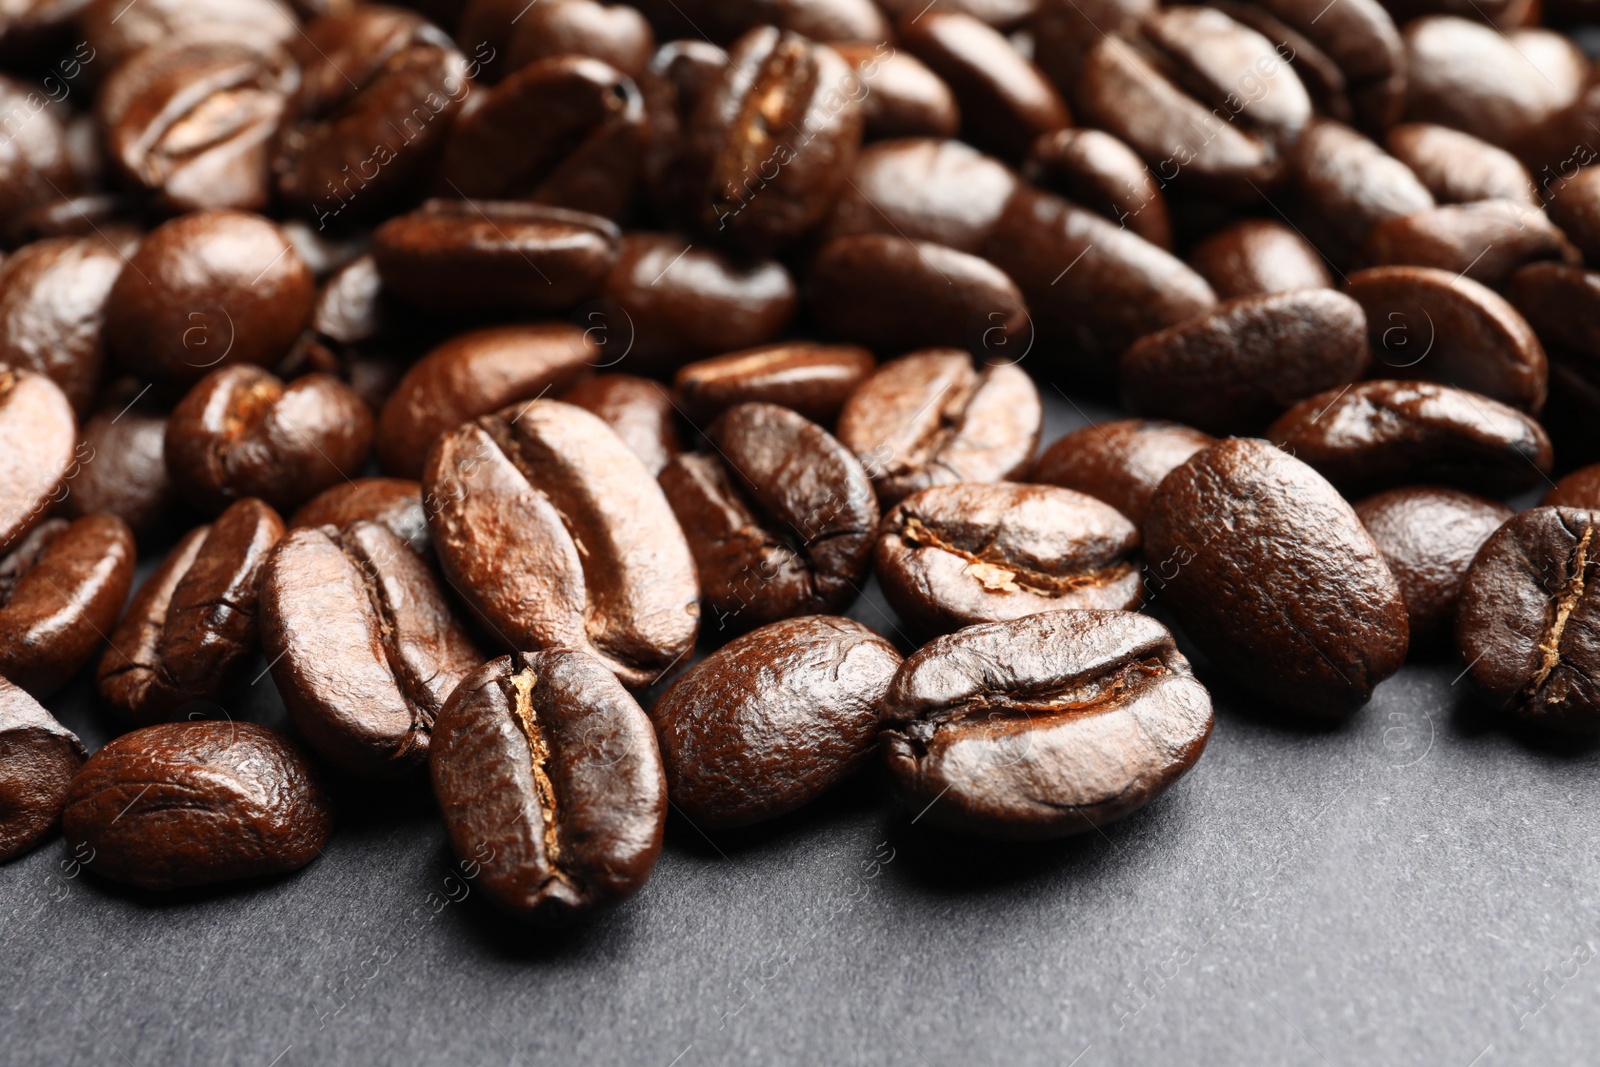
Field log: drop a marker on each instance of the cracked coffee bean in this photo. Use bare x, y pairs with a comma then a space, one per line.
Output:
38, 759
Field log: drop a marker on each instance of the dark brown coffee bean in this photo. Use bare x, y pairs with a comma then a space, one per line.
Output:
1431, 324
1428, 536
955, 555
1044, 726
106, 216
925, 190
394, 502
117, 32
638, 410
1236, 368
1575, 207
894, 295
1347, 185
812, 379
548, 778
1274, 578
680, 75
52, 298
36, 450
559, 537
191, 628
1001, 14
475, 374
241, 432
61, 590
1120, 462
38, 758
773, 719
191, 803
1527, 617
1459, 168
617, 34
206, 289
480, 255
121, 466
1093, 168
36, 167
1259, 256
1580, 489
780, 516
1376, 434
1562, 304
933, 418
724, 21
904, 98
1485, 241
350, 307
1064, 31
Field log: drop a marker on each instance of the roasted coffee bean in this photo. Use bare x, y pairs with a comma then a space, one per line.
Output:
933, 418
192, 803
894, 294
1431, 324
205, 289
1562, 304
1274, 578
1428, 536
1346, 185
1527, 616
1044, 726
36, 450
323, 251
61, 590
638, 410
1093, 168
121, 466
475, 374
904, 98
955, 555
191, 628
52, 297
680, 75
1459, 168
1486, 240
117, 32
925, 190
36, 167
107, 216
394, 502
1575, 207
1383, 433
241, 432
1259, 256
568, 131
1001, 14
1580, 489
548, 777
1236, 368
558, 537
363, 648
351, 308
812, 379
723, 21
773, 719
615, 33
1121, 462
780, 516
38, 758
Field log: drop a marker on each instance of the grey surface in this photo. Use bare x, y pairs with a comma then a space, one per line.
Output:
1417, 887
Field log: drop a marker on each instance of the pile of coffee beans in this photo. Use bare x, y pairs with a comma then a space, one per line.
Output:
534, 388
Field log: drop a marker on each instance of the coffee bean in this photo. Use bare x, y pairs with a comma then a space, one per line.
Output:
1459, 168
560, 538
724, 21
773, 719
117, 33
1562, 304
1428, 536
1243, 363
1064, 31
36, 167
925, 190
1001, 14
192, 803
36, 450
475, 374
1273, 577
572, 822
680, 75
191, 628
1347, 185
638, 410
106, 216
120, 466
38, 758
1485, 241
904, 98
1044, 726
1580, 489
1527, 616
394, 502
52, 296
812, 379
1103, 174
780, 516
1259, 256
1576, 209
1430, 324
1121, 462
454, 256
933, 418
617, 34
1383, 433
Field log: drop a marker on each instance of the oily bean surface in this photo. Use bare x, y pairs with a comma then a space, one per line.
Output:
810, 378
1486, 240
121, 466
37, 433
640, 411
38, 759
1093, 168
52, 297
394, 502
1121, 461
1580, 489
1459, 168
1259, 256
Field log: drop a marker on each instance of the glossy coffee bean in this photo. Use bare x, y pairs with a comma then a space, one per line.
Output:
192, 626
1562, 304
1428, 536
206, 289
1459, 168
1121, 461
394, 502
120, 466
548, 776
925, 190
723, 21
779, 516
1044, 726
1093, 168
680, 75
1576, 209
1236, 368
934, 418
904, 98
1347, 185
117, 32
615, 33
1274, 578
1485, 241
1430, 324
38, 758
955, 555
36, 167
1580, 489
640, 411
455, 256
812, 379
192, 803
1526, 619
36, 450
558, 537
1259, 256
1383, 433
363, 648
773, 719
52, 299
471, 375
1001, 14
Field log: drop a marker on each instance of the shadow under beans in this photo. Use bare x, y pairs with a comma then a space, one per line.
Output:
864, 790
1472, 717
154, 900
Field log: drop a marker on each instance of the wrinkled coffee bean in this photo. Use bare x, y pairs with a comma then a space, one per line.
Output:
1121, 462
38, 759
773, 719
1044, 726
548, 776
1093, 168
1485, 241
638, 410
37, 435
904, 98
122, 466
1580, 489
1274, 578
1347, 185
1459, 168
812, 379
192, 803
1259, 256
394, 502
52, 296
